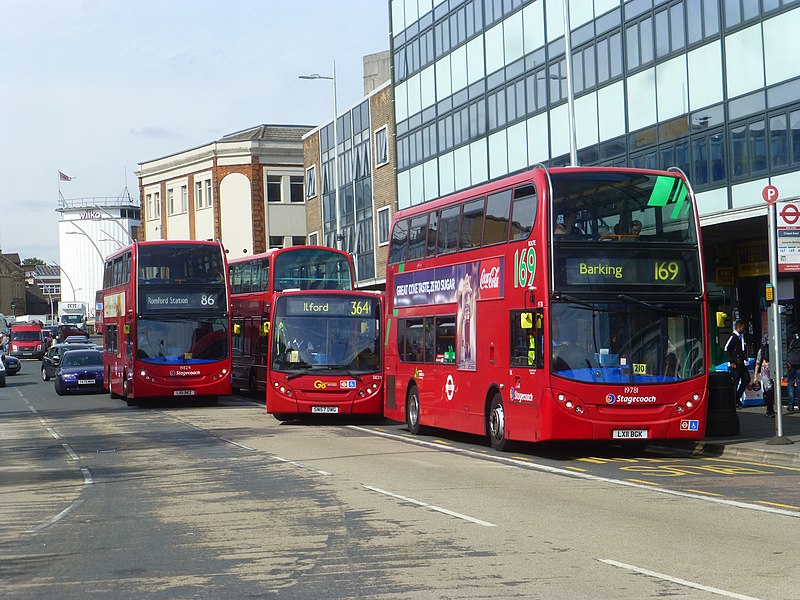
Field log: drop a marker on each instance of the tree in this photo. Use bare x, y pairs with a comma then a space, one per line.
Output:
33, 261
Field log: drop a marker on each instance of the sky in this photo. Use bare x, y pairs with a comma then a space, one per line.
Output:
92, 88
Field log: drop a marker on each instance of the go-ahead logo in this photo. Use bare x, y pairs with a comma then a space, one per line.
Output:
610, 399
321, 385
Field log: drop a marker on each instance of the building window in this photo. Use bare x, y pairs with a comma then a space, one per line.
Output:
381, 146
274, 189
311, 181
298, 240
383, 225
208, 192
296, 188
184, 198
198, 194
156, 205
151, 214
313, 239
171, 208
276, 241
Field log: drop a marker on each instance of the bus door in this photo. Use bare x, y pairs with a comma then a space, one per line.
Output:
525, 394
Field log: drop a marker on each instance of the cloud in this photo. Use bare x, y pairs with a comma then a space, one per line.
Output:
155, 132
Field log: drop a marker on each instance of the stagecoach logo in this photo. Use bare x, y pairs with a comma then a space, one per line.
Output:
515, 395
348, 384
183, 373
613, 399
449, 387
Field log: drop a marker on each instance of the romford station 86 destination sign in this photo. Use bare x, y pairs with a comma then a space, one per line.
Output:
788, 214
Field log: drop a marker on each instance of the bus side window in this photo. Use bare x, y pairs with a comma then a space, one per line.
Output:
397, 252
448, 230
471, 224
416, 237
433, 227
527, 339
446, 339
523, 212
495, 227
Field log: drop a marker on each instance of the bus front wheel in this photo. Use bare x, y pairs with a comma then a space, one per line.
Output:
252, 384
497, 424
412, 410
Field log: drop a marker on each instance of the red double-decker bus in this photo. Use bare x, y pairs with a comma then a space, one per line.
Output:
325, 354
166, 321
557, 304
254, 280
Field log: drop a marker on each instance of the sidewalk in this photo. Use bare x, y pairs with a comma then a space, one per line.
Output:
755, 429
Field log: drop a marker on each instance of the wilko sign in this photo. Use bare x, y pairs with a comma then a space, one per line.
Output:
441, 285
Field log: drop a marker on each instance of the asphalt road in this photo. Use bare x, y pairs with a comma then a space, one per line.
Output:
187, 501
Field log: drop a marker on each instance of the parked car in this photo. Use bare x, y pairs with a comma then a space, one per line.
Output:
2, 374
77, 339
64, 331
26, 341
79, 371
52, 360
12, 364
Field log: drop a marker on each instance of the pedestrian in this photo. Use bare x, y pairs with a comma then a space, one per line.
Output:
763, 375
737, 360
792, 370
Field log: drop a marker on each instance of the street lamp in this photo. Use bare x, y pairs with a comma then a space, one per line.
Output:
573, 149
335, 140
69, 279
88, 237
49, 294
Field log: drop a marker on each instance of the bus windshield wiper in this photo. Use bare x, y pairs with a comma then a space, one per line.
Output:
573, 300
344, 369
661, 309
306, 371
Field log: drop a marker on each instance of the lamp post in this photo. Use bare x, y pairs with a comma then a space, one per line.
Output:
573, 150
88, 237
49, 294
332, 78
69, 279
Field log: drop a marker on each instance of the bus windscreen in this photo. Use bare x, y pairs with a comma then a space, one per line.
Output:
347, 338
181, 341
180, 263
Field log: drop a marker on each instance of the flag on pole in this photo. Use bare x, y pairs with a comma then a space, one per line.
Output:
62, 177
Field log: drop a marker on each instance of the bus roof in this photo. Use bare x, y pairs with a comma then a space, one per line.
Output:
273, 251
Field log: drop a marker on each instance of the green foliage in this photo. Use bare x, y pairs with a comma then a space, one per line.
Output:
33, 261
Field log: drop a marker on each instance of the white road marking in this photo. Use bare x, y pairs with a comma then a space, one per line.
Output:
236, 444
683, 582
72, 454
300, 465
52, 432
431, 507
574, 475
87, 480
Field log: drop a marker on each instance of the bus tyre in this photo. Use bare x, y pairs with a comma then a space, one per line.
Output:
497, 424
283, 417
125, 386
412, 410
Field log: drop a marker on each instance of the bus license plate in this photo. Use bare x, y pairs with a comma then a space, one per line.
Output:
324, 409
629, 434
85, 381
183, 393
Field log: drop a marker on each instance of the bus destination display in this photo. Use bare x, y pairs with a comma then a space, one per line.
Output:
330, 306
625, 271
181, 300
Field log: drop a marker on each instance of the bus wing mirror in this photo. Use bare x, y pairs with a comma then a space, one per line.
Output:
126, 329
526, 320
264, 328
237, 329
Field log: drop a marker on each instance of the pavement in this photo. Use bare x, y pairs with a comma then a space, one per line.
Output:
756, 440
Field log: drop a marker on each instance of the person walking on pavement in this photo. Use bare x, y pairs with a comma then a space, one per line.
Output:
737, 360
793, 364
764, 376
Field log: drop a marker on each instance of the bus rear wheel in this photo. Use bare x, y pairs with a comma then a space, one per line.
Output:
497, 424
283, 417
412, 410
111, 391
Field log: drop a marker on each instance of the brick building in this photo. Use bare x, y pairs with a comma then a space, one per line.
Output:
245, 189
359, 224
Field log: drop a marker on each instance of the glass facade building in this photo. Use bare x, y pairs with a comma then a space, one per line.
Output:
705, 85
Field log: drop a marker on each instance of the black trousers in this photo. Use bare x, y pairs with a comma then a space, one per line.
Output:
741, 375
